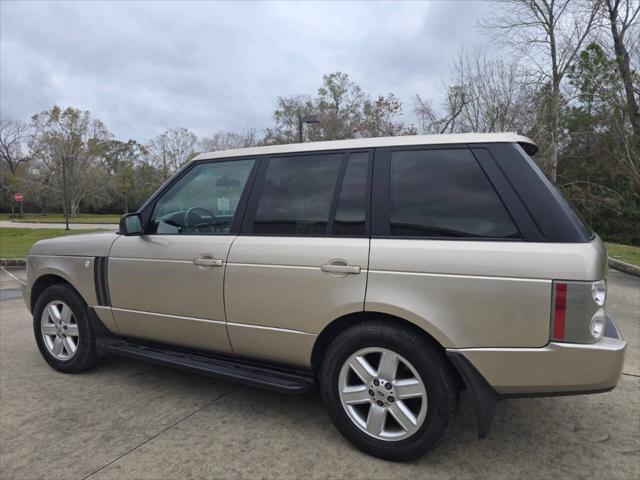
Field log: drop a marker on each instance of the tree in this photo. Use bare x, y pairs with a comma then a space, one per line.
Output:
595, 173
228, 141
498, 96
624, 18
146, 179
344, 111
379, 118
14, 136
339, 103
453, 106
549, 33
121, 160
78, 139
485, 94
171, 149
289, 111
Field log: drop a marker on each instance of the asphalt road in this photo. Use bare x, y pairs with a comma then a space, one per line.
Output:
126, 419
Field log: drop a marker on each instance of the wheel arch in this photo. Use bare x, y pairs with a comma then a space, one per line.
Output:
340, 324
46, 280
78, 272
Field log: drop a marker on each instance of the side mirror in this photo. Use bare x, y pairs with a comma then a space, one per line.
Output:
131, 224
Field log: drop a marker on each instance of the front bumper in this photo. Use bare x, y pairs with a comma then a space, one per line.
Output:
26, 295
557, 368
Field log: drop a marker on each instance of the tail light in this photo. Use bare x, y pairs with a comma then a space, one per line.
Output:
578, 311
560, 310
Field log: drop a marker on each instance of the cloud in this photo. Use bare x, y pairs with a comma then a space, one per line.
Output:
142, 67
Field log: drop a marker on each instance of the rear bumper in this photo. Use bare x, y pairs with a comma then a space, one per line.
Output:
556, 369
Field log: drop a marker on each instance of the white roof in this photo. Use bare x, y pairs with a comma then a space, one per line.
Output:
406, 140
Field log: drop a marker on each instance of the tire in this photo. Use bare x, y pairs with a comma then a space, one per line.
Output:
428, 371
71, 330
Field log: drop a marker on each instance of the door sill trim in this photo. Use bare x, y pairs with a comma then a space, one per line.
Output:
262, 375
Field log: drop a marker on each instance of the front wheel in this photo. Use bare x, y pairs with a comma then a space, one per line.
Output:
62, 330
388, 390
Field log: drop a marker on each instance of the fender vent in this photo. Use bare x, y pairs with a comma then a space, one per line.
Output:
101, 281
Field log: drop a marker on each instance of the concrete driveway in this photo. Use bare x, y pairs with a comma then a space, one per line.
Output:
126, 419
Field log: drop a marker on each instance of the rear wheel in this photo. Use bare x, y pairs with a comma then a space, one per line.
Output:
388, 390
62, 330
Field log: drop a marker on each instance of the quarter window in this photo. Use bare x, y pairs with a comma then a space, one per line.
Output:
445, 193
203, 201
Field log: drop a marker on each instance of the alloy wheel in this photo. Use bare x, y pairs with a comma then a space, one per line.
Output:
59, 330
383, 394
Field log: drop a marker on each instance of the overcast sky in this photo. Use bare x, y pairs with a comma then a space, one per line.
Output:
142, 67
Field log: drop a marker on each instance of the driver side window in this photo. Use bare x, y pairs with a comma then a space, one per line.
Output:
203, 201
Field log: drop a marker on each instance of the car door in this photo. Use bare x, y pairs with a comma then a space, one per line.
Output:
301, 259
446, 251
167, 285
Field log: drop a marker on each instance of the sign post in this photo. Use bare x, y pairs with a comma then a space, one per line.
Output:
65, 206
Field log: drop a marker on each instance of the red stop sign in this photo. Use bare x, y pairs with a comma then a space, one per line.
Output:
18, 197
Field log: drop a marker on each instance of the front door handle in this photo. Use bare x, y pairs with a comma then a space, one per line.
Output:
340, 268
207, 260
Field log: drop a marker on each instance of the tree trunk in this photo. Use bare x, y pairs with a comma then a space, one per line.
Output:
42, 203
555, 127
624, 68
555, 100
74, 208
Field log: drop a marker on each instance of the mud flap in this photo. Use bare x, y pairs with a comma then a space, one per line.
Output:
484, 397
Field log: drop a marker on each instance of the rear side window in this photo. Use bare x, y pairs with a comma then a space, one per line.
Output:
444, 193
314, 195
297, 194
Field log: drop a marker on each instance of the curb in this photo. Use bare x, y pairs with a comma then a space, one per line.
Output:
624, 267
12, 262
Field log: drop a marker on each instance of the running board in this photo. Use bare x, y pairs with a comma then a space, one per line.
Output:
275, 378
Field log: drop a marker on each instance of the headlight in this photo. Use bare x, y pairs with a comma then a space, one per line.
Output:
599, 292
597, 324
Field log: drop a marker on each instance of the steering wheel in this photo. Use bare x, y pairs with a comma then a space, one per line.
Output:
195, 218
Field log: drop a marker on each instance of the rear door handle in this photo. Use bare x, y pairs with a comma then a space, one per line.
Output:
207, 260
339, 268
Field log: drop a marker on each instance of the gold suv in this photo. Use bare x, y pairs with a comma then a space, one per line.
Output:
392, 272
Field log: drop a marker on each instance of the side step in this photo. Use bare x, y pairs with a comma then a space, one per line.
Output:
275, 378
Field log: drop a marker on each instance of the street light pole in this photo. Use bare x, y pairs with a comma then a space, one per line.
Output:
306, 119
65, 207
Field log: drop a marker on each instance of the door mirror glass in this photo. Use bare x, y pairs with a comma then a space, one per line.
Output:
131, 224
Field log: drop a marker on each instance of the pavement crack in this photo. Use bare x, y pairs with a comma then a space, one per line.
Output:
631, 375
219, 397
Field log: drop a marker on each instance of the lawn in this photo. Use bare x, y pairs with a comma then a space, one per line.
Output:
59, 218
626, 253
15, 242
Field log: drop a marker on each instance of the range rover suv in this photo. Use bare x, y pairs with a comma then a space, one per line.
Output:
390, 272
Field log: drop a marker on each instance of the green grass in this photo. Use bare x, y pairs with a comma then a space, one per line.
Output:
59, 218
16, 242
626, 253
